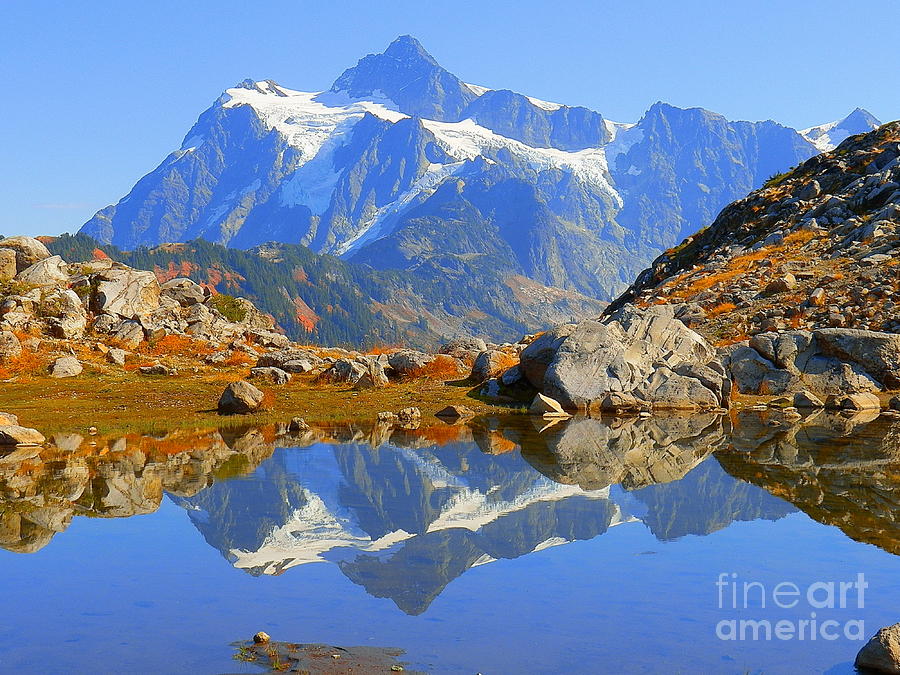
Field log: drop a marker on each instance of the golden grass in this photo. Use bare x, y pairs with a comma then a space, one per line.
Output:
114, 400
444, 367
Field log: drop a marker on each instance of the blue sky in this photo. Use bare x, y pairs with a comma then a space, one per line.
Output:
95, 93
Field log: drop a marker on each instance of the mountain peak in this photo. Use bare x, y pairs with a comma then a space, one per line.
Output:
410, 77
860, 118
828, 136
407, 48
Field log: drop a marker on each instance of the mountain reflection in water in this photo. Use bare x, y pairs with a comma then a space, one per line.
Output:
404, 512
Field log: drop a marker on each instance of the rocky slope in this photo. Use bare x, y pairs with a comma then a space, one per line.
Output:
816, 247
107, 303
403, 165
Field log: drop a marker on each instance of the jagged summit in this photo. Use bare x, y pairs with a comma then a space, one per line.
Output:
263, 87
411, 78
407, 48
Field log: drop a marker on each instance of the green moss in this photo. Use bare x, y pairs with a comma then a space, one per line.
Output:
229, 307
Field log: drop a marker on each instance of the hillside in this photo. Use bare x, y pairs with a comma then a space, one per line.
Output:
324, 300
815, 247
403, 165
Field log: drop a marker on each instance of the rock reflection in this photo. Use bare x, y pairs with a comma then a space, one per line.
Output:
41, 489
840, 470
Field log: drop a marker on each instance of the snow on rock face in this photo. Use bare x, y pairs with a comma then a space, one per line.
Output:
317, 124
307, 120
467, 140
830, 135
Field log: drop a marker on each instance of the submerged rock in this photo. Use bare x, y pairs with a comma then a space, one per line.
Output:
882, 653
455, 412
545, 406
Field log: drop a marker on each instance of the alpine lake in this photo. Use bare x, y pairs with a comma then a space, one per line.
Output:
740, 543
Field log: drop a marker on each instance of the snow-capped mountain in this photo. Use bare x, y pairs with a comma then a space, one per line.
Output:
401, 164
828, 136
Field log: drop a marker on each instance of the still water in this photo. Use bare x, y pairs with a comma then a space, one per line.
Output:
496, 547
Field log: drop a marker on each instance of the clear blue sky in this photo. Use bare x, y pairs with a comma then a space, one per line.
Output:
96, 93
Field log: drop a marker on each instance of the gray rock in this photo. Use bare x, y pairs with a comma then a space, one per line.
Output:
537, 356
464, 348
512, 376
857, 401
116, 356
157, 369
297, 425
409, 415
881, 654
12, 434
65, 366
8, 268
783, 284
269, 339
185, 292
488, 364
786, 362
240, 398
66, 316
347, 370
51, 271
455, 412
876, 353
894, 403
632, 350
10, 347
618, 402
544, 406
270, 373
807, 399
409, 361
28, 250
290, 360
374, 377
129, 333
126, 292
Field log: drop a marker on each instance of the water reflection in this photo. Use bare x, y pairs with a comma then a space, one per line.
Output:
404, 512
842, 471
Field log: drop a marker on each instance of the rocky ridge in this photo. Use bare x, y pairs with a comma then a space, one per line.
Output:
115, 307
816, 247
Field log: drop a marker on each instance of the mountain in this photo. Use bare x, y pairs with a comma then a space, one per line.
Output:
828, 136
815, 247
402, 165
